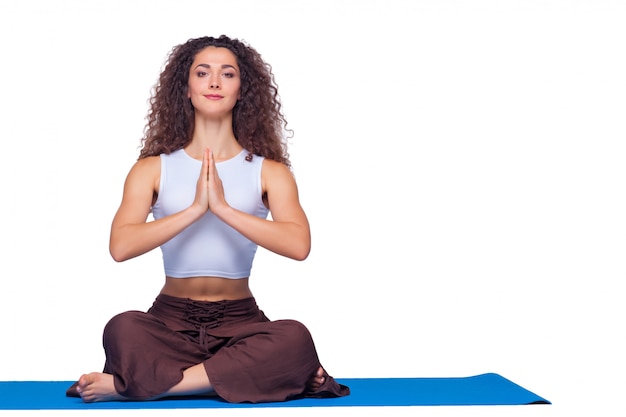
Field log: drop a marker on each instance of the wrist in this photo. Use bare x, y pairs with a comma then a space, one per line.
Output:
222, 212
195, 211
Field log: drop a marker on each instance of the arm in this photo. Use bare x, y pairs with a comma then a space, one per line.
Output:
288, 232
131, 235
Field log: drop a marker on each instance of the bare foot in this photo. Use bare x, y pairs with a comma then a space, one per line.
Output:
317, 380
97, 387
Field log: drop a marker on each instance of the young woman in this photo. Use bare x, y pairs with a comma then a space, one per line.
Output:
213, 164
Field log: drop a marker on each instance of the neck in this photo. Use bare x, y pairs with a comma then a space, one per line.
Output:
216, 135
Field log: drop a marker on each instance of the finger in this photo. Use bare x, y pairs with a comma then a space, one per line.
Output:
210, 162
205, 165
212, 168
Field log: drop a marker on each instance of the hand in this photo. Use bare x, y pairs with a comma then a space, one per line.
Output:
215, 189
201, 199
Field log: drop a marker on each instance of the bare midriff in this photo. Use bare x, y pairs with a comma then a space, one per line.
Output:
207, 288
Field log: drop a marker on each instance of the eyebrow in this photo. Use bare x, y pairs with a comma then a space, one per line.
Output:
224, 66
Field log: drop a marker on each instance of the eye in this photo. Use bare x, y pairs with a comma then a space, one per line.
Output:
201, 74
229, 74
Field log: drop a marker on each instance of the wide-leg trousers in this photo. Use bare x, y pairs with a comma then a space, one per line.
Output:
247, 357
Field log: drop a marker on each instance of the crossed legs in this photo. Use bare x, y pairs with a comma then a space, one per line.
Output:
99, 387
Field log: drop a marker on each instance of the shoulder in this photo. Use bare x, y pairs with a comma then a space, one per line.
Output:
147, 165
145, 171
274, 169
277, 176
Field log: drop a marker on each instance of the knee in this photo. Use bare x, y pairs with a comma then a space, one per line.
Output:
123, 325
296, 334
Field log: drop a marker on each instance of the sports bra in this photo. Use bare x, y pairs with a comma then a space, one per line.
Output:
209, 247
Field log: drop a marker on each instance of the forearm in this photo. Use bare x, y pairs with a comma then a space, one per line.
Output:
287, 238
129, 240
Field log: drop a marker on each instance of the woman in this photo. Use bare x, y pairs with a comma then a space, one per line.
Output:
213, 164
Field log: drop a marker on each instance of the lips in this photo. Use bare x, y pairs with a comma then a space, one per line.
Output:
213, 96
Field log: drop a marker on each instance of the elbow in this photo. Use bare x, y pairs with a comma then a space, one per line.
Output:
118, 254
117, 257
301, 256
301, 253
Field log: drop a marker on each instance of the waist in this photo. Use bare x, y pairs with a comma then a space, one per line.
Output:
219, 318
207, 288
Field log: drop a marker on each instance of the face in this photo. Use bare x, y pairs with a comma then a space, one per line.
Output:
214, 81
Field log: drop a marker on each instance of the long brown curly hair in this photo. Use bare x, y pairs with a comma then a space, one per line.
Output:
258, 122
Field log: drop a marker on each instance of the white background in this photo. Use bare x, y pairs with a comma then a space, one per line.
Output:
461, 164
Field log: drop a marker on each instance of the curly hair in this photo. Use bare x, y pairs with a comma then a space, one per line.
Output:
258, 122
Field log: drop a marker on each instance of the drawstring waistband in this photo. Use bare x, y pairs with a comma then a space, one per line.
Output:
201, 319
205, 315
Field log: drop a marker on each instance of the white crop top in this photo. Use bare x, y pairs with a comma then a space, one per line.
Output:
209, 247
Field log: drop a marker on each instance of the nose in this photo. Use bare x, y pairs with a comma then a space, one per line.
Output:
214, 82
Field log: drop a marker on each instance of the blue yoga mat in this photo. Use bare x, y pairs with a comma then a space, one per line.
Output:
485, 389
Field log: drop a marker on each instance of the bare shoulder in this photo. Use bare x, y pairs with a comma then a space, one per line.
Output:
276, 173
273, 168
147, 167
145, 174
150, 163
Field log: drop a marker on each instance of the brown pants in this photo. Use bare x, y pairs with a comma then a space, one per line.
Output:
247, 357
